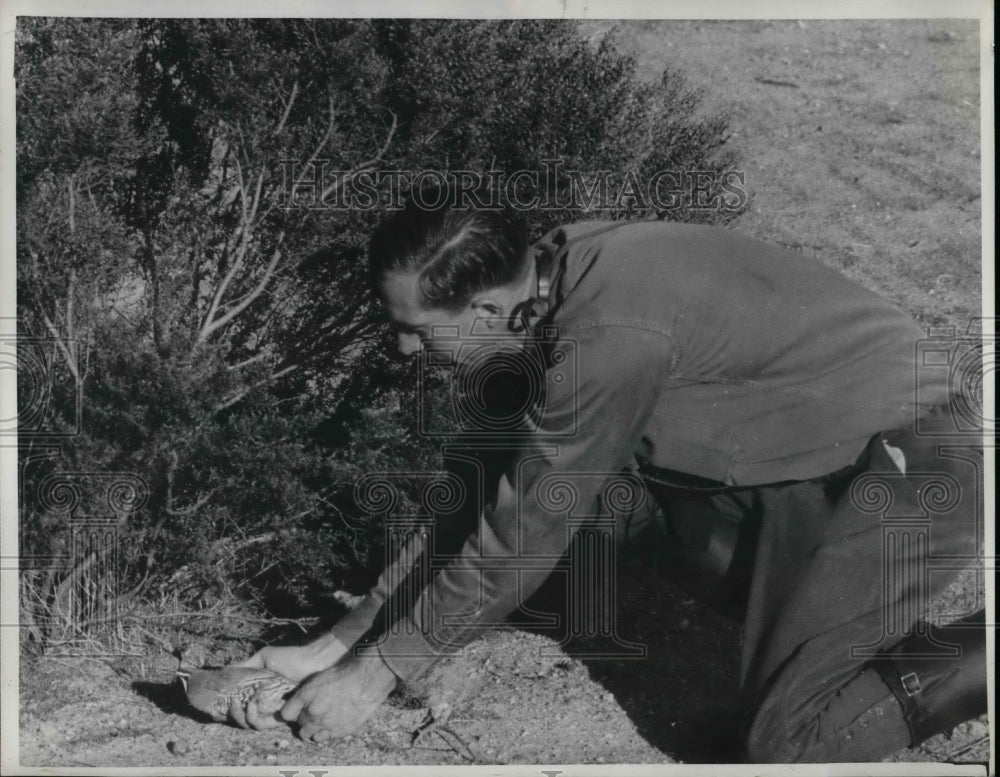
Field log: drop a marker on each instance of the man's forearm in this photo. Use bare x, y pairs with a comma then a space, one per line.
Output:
357, 622
446, 620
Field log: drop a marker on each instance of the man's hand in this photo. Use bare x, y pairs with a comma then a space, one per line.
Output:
337, 701
297, 663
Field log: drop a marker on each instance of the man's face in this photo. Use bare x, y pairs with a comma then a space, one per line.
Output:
415, 324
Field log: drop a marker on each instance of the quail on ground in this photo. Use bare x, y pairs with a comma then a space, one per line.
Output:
213, 691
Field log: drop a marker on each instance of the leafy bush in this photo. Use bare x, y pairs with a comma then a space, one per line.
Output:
226, 347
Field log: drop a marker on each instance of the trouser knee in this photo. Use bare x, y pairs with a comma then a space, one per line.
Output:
764, 750
767, 739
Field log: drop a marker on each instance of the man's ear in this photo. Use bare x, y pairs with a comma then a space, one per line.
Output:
488, 307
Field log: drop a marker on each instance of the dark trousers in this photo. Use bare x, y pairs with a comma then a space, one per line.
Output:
827, 573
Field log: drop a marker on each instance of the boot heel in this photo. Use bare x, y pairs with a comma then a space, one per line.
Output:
938, 692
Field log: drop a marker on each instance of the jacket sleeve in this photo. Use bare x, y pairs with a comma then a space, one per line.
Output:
586, 434
369, 617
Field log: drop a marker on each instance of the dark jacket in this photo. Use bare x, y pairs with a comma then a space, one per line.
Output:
692, 349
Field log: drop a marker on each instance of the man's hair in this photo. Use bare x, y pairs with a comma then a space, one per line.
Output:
458, 249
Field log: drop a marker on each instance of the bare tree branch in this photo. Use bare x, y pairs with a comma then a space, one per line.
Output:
288, 108
213, 326
179, 512
249, 207
227, 403
51, 328
366, 165
71, 185
236, 265
71, 343
331, 124
247, 362
220, 314
256, 199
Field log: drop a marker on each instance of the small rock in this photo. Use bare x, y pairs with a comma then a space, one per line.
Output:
940, 37
271, 758
283, 743
178, 747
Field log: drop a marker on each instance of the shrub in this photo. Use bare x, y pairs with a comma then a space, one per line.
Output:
227, 350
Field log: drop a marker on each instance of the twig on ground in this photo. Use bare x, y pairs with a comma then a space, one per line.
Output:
456, 743
436, 721
776, 82
969, 747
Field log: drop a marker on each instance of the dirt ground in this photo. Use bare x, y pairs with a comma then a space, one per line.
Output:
860, 146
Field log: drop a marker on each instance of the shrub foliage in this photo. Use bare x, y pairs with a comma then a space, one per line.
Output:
221, 342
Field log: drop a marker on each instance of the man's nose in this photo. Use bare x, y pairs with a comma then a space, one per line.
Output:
410, 344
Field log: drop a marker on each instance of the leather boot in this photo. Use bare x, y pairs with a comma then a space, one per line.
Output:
938, 692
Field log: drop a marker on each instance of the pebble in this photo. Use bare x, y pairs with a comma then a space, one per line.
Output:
178, 747
271, 758
283, 743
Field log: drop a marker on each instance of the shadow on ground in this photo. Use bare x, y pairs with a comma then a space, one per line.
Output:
681, 695
168, 698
